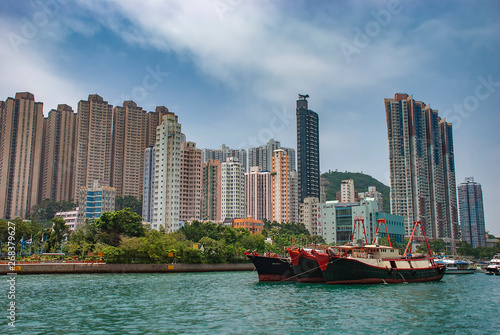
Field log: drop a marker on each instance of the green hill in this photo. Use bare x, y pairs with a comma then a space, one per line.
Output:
332, 180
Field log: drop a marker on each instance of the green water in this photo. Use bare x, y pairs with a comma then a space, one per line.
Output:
235, 303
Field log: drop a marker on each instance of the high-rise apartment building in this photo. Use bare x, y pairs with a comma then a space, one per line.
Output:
93, 141
211, 191
307, 150
129, 142
258, 194
153, 120
21, 134
295, 205
347, 192
232, 189
167, 174
262, 156
59, 154
470, 200
223, 153
282, 188
148, 193
190, 191
422, 167
308, 215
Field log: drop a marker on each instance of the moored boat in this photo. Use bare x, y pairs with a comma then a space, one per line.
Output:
305, 265
455, 266
373, 264
493, 267
271, 268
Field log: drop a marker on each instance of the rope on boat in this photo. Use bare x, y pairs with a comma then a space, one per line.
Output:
300, 274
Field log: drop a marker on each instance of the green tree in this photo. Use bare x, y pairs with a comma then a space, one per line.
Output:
47, 209
111, 226
129, 201
437, 246
58, 234
83, 239
214, 250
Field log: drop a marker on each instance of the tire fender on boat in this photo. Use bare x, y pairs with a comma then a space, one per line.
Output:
390, 271
414, 273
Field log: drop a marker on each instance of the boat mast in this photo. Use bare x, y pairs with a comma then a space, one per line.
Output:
356, 221
386, 230
410, 242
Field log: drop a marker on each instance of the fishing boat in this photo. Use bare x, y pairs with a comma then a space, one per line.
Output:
493, 266
374, 264
456, 266
305, 265
272, 268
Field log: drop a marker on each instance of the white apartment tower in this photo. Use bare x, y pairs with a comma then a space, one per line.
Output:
148, 184
347, 191
167, 174
232, 189
258, 194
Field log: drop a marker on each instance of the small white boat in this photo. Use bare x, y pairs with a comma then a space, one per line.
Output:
493, 267
455, 266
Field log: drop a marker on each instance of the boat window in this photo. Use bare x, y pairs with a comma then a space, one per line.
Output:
393, 264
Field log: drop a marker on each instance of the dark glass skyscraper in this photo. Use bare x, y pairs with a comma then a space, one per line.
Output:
307, 150
470, 200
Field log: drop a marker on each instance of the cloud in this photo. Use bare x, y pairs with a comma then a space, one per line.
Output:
27, 70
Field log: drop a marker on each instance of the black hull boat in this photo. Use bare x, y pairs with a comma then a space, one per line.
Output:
359, 270
272, 268
374, 264
305, 266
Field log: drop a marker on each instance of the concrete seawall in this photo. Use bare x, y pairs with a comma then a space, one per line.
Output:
61, 268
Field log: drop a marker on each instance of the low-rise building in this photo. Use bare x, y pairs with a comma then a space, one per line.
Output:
95, 200
70, 217
254, 226
337, 221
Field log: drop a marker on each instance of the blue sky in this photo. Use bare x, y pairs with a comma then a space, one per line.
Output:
231, 70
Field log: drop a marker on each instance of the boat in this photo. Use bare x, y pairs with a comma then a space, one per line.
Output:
375, 264
455, 266
305, 265
272, 268
493, 266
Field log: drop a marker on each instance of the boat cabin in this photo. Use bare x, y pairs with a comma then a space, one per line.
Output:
367, 251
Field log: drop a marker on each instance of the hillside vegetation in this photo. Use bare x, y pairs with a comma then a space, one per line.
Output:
332, 181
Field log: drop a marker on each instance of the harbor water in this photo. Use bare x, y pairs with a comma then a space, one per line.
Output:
236, 303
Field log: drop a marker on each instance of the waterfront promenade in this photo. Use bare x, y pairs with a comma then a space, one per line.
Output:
100, 267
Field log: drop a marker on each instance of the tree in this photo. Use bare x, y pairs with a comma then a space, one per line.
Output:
111, 226
82, 239
128, 201
437, 246
58, 234
214, 250
47, 209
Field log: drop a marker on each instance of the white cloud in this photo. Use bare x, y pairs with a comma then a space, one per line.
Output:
28, 71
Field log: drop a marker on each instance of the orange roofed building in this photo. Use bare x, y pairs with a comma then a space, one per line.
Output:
254, 226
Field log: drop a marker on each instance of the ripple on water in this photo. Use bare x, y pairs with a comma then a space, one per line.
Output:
235, 303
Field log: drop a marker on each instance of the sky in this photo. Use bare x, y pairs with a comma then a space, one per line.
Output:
231, 70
